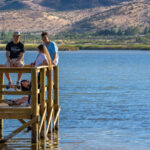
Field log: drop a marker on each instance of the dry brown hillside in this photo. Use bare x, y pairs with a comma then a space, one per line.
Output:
37, 18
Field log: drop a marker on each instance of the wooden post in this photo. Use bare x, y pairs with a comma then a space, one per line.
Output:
34, 105
49, 96
1, 98
56, 95
42, 101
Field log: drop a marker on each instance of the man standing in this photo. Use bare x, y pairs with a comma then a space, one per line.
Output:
15, 57
52, 48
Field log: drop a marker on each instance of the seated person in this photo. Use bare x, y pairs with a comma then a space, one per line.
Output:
26, 100
43, 57
14, 57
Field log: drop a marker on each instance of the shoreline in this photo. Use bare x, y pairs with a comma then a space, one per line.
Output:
67, 47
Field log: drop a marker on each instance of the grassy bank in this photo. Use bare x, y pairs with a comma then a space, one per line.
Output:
114, 47
34, 47
89, 47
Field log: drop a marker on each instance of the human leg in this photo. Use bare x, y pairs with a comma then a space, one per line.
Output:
21, 100
18, 101
7, 64
19, 64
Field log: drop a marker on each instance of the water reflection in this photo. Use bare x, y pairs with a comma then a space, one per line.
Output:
52, 142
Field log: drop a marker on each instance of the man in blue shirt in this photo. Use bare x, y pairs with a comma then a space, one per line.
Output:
52, 48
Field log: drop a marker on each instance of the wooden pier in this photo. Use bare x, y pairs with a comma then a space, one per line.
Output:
44, 117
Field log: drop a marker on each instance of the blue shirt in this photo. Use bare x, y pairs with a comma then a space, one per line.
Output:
52, 49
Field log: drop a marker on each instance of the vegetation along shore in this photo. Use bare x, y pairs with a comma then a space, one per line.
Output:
89, 47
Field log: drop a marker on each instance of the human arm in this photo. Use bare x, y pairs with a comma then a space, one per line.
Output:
44, 63
8, 49
19, 59
21, 100
55, 53
53, 61
7, 56
21, 53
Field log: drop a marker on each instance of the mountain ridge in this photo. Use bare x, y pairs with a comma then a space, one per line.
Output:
31, 16
58, 4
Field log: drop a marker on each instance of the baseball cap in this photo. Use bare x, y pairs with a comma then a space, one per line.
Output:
17, 33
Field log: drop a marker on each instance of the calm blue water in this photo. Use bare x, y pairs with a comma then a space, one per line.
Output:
104, 98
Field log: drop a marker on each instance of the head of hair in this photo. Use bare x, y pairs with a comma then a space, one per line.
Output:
42, 48
24, 88
45, 33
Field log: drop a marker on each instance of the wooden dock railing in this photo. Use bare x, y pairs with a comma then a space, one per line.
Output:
43, 117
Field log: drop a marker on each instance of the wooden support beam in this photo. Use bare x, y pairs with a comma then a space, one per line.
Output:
49, 120
22, 121
57, 116
19, 130
34, 105
49, 95
42, 102
1, 97
42, 120
56, 94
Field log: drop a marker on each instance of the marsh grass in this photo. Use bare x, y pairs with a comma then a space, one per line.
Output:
76, 47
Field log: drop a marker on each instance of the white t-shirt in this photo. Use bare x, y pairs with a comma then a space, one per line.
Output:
40, 58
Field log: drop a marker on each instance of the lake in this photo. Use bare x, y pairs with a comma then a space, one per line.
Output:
104, 99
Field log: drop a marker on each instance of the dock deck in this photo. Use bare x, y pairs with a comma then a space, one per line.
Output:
43, 117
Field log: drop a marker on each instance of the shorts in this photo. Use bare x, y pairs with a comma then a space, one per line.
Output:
19, 64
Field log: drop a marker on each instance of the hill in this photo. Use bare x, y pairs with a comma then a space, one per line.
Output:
75, 16
57, 4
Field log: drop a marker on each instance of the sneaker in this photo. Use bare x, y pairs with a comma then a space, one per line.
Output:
26, 104
9, 85
18, 85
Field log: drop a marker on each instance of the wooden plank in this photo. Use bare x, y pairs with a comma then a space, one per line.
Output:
34, 105
15, 116
1, 97
15, 70
22, 121
15, 92
42, 101
18, 130
56, 94
9, 109
42, 67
